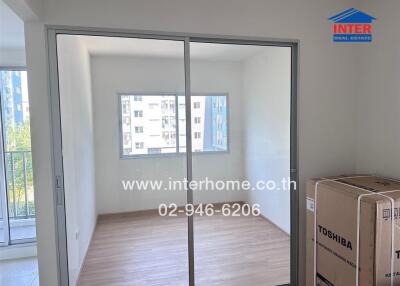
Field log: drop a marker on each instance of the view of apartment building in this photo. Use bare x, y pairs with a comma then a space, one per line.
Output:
15, 104
149, 124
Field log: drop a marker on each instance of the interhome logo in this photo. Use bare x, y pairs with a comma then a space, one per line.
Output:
352, 25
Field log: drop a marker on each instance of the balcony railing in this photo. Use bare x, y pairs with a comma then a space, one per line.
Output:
19, 181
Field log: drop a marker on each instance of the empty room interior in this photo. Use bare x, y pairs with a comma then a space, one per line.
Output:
123, 109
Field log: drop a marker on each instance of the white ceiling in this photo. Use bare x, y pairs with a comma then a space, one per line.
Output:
11, 29
166, 49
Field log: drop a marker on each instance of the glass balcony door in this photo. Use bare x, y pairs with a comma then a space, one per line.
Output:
17, 218
243, 236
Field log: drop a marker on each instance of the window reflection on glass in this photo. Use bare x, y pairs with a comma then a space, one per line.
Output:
209, 123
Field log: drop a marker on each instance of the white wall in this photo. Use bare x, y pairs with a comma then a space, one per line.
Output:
78, 149
378, 96
12, 38
41, 155
115, 74
326, 80
12, 58
266, 93
27, 10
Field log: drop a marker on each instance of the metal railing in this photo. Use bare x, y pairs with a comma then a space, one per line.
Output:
19, 181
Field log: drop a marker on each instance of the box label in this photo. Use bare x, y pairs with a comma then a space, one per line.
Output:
310, 204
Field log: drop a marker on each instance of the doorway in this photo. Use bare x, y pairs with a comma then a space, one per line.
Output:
166, 80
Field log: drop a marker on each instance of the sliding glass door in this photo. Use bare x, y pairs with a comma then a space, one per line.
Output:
195, 157
241, 163
17, 192
126, 129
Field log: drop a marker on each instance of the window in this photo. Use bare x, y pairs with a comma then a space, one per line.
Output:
127, 139
165, 121
160, 123
139, 145
138, 113
126, 107
127, 120
17, 206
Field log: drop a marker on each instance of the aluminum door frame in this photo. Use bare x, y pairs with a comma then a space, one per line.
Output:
57, 161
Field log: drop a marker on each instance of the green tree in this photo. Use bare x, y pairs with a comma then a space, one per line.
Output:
19, 166
18, 137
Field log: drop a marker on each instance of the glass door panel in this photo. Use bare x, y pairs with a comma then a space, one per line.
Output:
238, 166
140, 173
241, 163
17, 155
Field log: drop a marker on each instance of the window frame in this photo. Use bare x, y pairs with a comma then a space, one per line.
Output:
177, 153
8, 241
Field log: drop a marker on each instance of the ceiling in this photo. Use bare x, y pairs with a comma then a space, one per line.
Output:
165, 48
11, 29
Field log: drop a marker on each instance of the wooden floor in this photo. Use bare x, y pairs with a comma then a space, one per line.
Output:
144, 249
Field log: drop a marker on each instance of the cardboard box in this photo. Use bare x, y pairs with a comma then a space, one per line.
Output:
336, 211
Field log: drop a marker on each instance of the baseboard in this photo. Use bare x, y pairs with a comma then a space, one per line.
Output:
17, 251
274, 224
